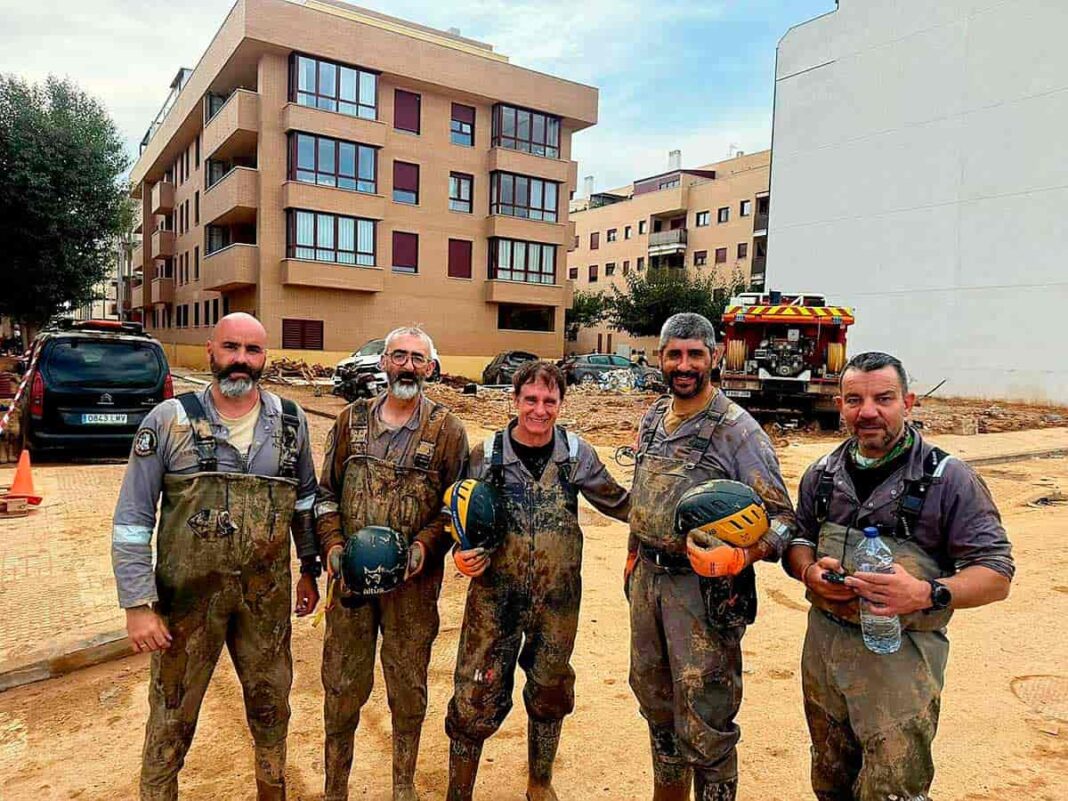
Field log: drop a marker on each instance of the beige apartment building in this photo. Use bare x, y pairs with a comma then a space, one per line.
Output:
712, 219
338, 172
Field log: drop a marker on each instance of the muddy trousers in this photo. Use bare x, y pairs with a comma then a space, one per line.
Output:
872, 718
687, 676
256, 632
408, 621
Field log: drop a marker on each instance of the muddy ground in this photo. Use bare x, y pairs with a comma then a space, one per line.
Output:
1004, 730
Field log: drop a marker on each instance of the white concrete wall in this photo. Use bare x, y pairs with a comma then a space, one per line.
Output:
920, 174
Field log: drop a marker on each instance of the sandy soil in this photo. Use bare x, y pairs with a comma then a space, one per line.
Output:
1004, 733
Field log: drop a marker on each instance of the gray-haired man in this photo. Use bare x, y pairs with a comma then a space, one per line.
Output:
686, 629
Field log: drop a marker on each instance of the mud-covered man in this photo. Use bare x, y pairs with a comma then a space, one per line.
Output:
686, 629
233, 467
523, 601
873, 717
388, 462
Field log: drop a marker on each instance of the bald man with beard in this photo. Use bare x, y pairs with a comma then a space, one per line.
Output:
231, 468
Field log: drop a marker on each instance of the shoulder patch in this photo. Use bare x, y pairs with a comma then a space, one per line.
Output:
145, 442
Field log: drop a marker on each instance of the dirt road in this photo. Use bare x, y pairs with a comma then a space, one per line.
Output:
1004, 731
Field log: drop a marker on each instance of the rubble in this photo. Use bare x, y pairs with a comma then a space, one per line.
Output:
295, 368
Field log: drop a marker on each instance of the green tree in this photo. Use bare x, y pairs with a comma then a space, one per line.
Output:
651, 297
587, 309
61, 200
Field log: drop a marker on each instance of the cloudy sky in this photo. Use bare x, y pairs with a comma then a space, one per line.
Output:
689, 74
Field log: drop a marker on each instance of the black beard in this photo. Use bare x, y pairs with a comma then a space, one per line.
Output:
700, 382
225, 372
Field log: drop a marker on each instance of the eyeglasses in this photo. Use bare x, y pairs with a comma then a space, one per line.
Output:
400, 357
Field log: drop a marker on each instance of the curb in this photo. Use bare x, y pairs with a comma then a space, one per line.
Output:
94, 651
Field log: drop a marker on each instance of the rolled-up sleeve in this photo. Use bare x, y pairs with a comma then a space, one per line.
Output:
971, 522
756, 464
135, 514
597, 485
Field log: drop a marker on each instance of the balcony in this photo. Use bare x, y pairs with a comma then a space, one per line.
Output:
234, 128
300, 195
506, 160
501, 225
163, 197
233, 199
233, 267
667, 243
137, 258
325, 275
760, 224
333, 124
757, 271
163, 290
163, 244
498, 291
137, 296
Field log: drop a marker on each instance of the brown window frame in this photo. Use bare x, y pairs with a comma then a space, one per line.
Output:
609, 269
292, 246
299, 334
322, 101
334, 178
402, 199
507, 311
723, 215
457, 202
526, 144
641, 227
743, 250
721, 255
457, 270
702, 219
745, 210
417, 130
700, 258
498, 180
408, 269
457, 126
641, 263
591, 274
498, 273
627, 232
626, 267
572, 273
595, 240
611, 235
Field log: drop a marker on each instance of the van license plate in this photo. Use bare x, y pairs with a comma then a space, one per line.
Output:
104, 419
737, 393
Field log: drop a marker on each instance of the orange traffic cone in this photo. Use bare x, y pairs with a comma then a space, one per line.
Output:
23, 484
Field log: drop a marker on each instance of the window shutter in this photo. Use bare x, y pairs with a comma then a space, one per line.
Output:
459, 258
462, 113
302, 334
313, 334
292, 334
406, 111
406, 250
406, 176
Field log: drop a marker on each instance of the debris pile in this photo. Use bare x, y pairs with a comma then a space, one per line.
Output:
285, 370
975, 416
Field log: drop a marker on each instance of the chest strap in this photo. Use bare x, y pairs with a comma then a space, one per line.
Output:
358, 428
203, 437
655, 415
288, 451
493, 450
424, 452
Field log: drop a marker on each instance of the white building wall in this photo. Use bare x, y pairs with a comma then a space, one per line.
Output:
920, 174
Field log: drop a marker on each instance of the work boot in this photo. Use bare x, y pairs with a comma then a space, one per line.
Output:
463, 768
671, 777
271, 772
543, 738
405, 753
707, 789
337, 764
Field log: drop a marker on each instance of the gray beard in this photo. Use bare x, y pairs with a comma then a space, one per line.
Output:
236, 387
405, 390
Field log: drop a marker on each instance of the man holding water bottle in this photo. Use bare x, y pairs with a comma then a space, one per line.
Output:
872, 696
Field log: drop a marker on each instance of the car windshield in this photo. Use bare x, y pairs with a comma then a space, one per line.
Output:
372, 348
100, 363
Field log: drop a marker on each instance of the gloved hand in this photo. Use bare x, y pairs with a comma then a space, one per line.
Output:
472, 563
715, 560
628, 571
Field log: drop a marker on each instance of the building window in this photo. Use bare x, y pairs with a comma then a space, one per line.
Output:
626, 268
745, 208
610, 268
196, 150
332, 162
721, 255
641, 227
572, 273
641, 263
626, 232
593, 273
529, 131
196, 315
406, 182
723, 215
330, 237
406, 111
595, 240
702, 219
528, 262
519, 317
575, 243
459, 258
215, 310
522, 196
763, 205
743, 250
669, 183
460, 191
196, 263
216, 237
462, 126
196, 207
700, 258
302, 334
333, 87
207, 312
612, 235
405, 252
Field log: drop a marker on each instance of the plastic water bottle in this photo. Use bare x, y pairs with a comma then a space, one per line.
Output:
882, 634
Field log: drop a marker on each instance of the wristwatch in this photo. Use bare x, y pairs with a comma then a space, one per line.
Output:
941, 596
311, 567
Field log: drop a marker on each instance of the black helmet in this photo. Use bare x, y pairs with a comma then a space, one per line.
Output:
374, 561
476, 518
727, 510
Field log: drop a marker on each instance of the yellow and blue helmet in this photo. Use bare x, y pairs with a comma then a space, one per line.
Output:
729, 511
475, 514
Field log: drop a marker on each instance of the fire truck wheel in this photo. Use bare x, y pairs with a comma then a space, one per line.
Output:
736, 355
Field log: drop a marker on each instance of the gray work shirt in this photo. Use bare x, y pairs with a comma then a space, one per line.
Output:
739, 450
959, 524
589, 475
170, 448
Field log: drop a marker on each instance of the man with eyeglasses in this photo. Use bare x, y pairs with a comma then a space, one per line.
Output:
388, 461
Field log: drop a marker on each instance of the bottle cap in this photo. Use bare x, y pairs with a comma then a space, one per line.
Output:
871, 532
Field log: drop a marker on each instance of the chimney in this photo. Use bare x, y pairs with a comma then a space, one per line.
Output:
674, 159
587, 186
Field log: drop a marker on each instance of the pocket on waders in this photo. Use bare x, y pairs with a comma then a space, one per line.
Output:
212, 524
730, 602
